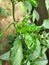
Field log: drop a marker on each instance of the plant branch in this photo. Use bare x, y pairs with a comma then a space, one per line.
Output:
2, 33
13, 8
13, 12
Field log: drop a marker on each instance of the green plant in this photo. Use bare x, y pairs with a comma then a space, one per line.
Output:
31, 41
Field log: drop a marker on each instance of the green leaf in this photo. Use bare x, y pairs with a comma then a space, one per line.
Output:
40, 62
0, 62
28, 63
22, 8
11, 38
28, 6
46, 24
47, 43
5, 56
25, 20
16, 52
36, 53
35, 3
47, 4
28, 40
35, 15
43, 52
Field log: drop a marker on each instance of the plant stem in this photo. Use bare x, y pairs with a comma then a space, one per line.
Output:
13, 12
2, 33
13, 8
48, 14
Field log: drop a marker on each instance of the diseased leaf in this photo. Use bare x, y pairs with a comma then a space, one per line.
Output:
16, 52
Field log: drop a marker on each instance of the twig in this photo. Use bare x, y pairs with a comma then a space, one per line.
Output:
3, 32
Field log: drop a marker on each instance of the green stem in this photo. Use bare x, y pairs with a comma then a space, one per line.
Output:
13, 12
2, 33
48, 14
13, 6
